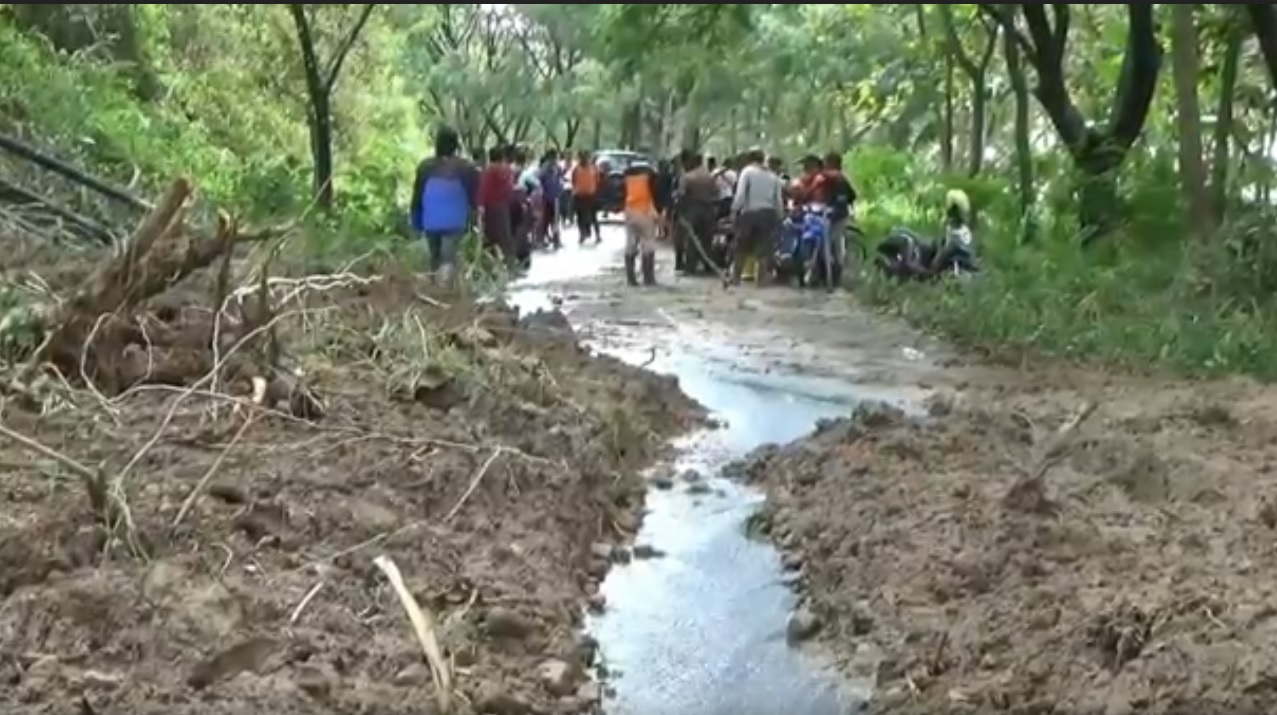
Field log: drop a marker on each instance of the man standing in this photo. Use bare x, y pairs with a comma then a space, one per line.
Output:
496, 197
758, 206
444, 200
551, 195
641, 186
586, 180
726, 179
836, 189
698, 208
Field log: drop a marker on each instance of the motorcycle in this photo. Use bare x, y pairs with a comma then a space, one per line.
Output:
806, 250
905, 256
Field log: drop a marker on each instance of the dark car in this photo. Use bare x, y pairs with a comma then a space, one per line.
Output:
612, 165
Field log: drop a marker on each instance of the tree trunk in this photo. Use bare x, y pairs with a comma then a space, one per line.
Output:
946, 125
1098, 153
321, 136
1186, 66
319, 88
1223, 137
1023, 139
631, 125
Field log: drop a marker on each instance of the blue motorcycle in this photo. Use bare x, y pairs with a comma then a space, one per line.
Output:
806, 250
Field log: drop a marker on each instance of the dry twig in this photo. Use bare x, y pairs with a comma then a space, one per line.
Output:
423, 625
94, 483
209, 474
474, 484
1029, 491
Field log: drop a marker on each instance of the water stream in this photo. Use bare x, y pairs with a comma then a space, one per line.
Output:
703, 629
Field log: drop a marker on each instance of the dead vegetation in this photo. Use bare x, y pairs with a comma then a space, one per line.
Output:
260, 460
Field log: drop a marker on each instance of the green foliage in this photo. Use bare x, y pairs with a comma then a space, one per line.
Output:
1143, 300
218, 92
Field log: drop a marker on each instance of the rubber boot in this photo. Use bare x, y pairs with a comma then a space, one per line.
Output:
649, 269
835, 277
631, 269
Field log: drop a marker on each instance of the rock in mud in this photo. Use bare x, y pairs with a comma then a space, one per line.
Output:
803, 626
878, 415
663, 483
792, 561
507, 624
492, 700
598, 568
101, 681
587, 647
597, 604
412, 676
590, 693
247, 657
647, 552
548, 324
558, 677
862, 622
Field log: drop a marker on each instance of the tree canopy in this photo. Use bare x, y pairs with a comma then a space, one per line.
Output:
1083, 133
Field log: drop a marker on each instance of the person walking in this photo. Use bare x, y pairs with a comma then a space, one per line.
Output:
496, 199
758, 207
444, 202
586, 179
642, 222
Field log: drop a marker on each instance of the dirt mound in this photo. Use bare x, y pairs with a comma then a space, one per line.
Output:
262, 595
198, 539
1140, 577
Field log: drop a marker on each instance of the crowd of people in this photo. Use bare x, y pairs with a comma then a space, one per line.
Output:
696, 201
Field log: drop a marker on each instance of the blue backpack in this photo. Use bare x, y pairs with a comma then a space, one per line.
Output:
445, 206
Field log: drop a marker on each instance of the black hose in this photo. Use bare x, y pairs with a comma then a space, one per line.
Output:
687, 226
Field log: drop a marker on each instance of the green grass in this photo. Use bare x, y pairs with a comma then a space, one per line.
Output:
1143, 300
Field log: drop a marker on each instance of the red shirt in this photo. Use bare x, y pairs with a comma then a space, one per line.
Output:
496, 186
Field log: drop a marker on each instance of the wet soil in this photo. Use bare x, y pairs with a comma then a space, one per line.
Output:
1137, 580
1141, 582
485, 459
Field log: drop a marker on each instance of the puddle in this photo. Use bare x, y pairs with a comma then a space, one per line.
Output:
702, 629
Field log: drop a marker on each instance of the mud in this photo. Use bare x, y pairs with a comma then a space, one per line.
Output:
484, 457
1143, 582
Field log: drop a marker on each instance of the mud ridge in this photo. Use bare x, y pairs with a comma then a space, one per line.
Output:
487, 469
1143, 584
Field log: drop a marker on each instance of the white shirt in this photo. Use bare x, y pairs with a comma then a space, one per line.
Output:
530, 179
726, 180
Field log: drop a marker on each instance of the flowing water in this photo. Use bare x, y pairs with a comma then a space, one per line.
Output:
702, 630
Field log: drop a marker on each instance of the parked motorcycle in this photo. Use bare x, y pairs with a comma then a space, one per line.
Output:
906, 256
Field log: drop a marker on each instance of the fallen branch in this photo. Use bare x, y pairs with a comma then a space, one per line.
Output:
1028, 494
33, 155
423, 625
301, 607
210, 473
95, 230
474, 484
94, 482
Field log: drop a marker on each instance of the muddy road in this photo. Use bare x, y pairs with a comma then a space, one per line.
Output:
1041, 539
714, 625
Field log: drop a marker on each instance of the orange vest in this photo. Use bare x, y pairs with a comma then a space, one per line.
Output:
638, 193
585, 180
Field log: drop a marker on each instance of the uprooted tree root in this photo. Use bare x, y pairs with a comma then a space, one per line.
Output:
104, 335
109, 337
